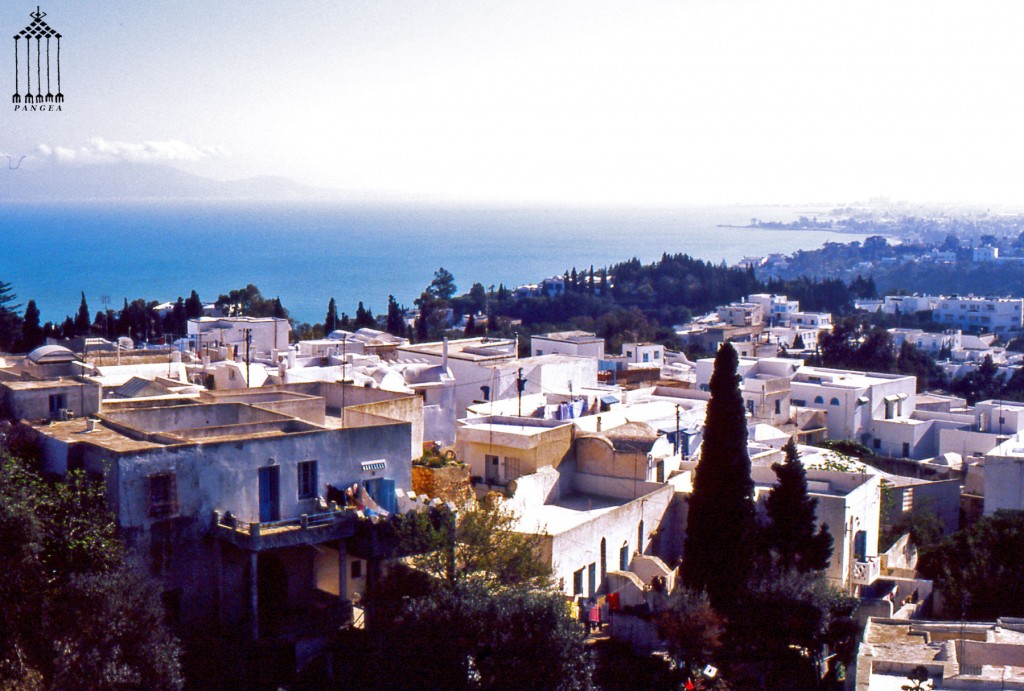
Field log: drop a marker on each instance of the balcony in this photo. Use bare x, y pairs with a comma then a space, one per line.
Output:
307, 529
865, 572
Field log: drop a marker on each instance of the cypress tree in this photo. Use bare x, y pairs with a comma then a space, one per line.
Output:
82, 321
365, 318
31, 331
396, 319
790, 532
331, 320
193, 306
720, 522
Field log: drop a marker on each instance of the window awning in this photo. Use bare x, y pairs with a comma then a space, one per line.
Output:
379, 464
608, 400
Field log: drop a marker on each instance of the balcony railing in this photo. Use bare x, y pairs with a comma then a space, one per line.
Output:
866, 572
306, 529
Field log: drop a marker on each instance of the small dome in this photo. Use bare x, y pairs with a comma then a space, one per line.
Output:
49, 354
632, 436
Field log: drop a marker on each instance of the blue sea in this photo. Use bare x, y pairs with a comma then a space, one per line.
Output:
307, 253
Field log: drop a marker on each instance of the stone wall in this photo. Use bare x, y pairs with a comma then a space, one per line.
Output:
450, 483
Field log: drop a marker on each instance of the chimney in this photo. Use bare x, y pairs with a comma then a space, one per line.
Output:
598, 423
444, 354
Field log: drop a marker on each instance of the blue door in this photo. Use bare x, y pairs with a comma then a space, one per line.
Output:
270, 505
382, 490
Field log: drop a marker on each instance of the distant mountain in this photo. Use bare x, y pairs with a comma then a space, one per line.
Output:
139, 181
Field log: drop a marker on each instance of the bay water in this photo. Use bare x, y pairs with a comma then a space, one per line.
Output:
307, 253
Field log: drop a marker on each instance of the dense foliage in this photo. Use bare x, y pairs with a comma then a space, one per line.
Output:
73, 613
465, 636
978, 569
790, 531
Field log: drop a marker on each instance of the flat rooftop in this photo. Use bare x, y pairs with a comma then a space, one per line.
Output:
474, 349
570, 337
568, 512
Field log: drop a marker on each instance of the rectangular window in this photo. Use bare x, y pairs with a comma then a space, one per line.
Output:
624, 558
906, 449
307, 479
163, 494
356, 568
878, 443
592, 579
577, 582
57, 402
778, 407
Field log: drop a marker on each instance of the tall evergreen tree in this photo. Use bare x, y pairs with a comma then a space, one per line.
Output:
10, 322
31, 331
365, 318
82, 320
193, 306
443, 286
790, 532
396, 320
720, 522
331, 320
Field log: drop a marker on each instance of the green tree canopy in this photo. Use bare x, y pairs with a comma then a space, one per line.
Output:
193, 306
74, 614
978, 569
514, 639
442, 286
249, 302
790, 533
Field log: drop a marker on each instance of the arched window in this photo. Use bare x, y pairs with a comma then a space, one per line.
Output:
640, 537
819, 400
834, 401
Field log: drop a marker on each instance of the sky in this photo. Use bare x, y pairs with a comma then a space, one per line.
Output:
576, 102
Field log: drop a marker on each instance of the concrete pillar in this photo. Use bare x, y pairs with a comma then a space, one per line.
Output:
218, 584
342, 570
254, 594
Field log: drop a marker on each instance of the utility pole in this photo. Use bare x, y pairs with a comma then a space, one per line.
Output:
344, 372
248, 343
677, 429
520, 385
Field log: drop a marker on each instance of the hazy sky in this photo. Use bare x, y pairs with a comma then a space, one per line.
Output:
579, 102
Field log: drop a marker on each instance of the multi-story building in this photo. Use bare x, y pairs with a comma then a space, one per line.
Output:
263, 336
975, 314
227, 499
776, 308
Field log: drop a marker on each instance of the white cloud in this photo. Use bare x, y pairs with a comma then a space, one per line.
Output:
99, 151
